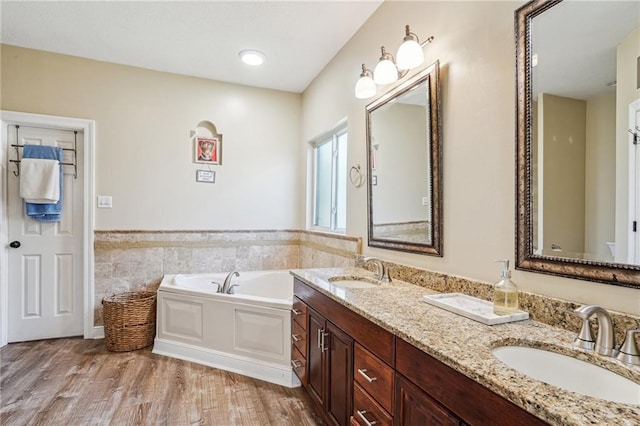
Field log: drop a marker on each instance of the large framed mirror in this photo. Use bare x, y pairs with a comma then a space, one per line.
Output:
405, 166
578, 157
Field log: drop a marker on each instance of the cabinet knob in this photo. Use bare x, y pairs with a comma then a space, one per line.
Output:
296, 312
14, 244
295, 363
296, 337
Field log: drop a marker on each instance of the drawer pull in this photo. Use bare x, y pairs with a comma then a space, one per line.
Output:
296, 312
295, 363
361, 414
363, 373
296, 337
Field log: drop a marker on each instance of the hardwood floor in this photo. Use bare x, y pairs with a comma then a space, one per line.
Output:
79, 382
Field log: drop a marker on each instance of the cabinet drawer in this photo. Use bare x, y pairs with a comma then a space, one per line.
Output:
374, 376
299, 312
299, 365
299, 338
366, 411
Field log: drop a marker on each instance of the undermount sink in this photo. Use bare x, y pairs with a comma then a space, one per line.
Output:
569, 373
352, 282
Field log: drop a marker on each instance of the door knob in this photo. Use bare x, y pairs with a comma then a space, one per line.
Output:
14, 244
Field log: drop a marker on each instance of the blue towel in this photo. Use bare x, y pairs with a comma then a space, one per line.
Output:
45, 212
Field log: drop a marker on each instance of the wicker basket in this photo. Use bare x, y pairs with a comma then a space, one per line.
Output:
129, 320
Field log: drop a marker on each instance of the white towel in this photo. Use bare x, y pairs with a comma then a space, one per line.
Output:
40, 180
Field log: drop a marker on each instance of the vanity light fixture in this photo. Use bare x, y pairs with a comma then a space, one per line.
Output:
252, 57
387, 71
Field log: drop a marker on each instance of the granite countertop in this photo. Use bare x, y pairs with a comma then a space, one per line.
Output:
466, 345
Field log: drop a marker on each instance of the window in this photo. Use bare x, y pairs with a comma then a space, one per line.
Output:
330, 181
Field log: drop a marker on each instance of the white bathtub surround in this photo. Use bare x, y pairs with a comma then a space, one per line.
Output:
137, 260
248, 332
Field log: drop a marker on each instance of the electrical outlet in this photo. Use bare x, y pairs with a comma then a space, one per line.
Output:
105, 202
425, 201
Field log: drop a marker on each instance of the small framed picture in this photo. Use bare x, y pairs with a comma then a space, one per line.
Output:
207, 176
207, 150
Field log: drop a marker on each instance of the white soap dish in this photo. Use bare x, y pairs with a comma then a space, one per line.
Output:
472, 308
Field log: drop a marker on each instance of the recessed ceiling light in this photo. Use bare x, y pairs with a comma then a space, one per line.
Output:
252, 57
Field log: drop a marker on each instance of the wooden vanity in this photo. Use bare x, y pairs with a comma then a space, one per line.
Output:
358, 373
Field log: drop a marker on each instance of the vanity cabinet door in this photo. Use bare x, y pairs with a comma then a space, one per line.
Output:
415, 407
339, 349
330, 368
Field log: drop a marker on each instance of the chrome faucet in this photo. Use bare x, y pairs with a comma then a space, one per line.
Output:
605, 339
629, 351
382, 273
227, 287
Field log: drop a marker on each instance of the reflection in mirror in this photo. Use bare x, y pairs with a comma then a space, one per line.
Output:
578, 168
404, 166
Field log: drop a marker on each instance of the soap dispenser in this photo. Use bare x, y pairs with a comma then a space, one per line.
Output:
505, 293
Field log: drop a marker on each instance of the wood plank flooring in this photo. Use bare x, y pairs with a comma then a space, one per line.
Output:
79, 382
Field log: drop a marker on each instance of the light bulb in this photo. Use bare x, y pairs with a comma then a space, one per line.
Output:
365, 87
385, 72
410, 55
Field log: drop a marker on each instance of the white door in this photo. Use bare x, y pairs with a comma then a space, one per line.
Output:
45, 258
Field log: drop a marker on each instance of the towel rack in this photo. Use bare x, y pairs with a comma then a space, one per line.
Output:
17, 147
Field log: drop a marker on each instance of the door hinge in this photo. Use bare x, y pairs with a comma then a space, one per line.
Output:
635, 226
635, 137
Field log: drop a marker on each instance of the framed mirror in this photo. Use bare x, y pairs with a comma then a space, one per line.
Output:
405, 166
578, 157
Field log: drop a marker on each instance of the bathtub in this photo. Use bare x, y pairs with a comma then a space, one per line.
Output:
248, 332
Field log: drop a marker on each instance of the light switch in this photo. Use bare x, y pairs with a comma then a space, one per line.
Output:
105, 202
425, 201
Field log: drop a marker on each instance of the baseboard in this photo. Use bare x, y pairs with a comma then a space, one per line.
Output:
271, 373
98, 332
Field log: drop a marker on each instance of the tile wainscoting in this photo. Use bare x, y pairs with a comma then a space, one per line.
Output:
137, 260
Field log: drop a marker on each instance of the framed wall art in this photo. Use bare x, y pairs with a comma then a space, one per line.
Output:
207, 150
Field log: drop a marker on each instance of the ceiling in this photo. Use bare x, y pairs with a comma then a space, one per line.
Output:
195, 38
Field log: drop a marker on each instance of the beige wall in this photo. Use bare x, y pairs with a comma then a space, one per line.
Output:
474, 42
600, 175
144, 154
563, 136
627, 91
